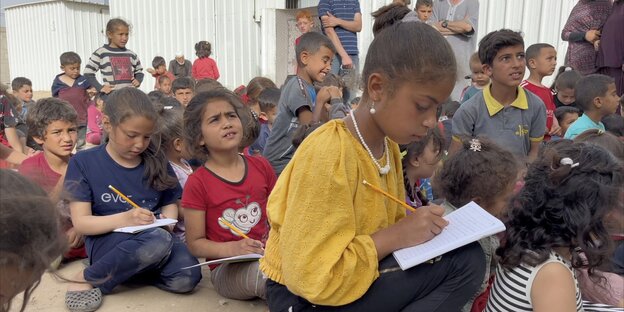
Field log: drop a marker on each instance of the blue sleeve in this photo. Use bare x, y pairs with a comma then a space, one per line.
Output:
357, 7
324, 6
172, 195
76, 183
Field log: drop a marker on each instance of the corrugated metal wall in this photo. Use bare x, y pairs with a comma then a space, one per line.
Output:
38, 33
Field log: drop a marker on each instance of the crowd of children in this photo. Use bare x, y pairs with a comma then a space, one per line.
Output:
279, 172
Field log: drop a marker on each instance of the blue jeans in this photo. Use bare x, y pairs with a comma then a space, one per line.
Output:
152, 257
349, 92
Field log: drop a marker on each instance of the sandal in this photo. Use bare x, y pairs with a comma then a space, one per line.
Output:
83, 301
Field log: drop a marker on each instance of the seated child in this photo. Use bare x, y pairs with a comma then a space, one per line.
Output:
445, 122
52, 123
22, 91
420, 161
597, 97
512, 117
164, 85
183, 90
268, 100
566, 115
30, 227
94, 121
230, 186
158, 70
9, 121
570, 190
564, 86
541, 59
74, 88
254, 88
484, 173
136, 166
204, 66
479, 79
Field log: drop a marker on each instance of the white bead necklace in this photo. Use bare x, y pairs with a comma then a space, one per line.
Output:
382, 170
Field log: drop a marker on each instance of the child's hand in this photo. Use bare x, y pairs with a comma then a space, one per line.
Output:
597, 45
135, 83
422, 225
327, 93
592, 35
139, 216
246, 246
106, 89
151, 70
74, 239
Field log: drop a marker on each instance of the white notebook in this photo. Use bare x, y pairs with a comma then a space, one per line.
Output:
467, 224
139, 228
241, 258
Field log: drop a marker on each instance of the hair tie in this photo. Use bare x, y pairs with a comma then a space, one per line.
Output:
600, 132
568, 68
568, 161
475, 145
403, 154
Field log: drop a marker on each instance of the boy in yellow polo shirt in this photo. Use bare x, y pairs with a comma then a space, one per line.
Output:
509, 115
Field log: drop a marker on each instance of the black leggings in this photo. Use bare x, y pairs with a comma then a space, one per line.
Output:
445, 285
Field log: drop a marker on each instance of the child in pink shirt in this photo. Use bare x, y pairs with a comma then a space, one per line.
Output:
204, 67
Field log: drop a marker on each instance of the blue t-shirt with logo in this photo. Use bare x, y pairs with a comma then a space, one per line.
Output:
90, 172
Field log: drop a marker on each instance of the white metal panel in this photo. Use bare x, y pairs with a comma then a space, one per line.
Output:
38, 33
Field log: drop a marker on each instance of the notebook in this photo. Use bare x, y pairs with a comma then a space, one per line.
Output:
139, 228
467, 224
241, 258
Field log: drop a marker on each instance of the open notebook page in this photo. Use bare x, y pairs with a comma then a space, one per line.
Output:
139, 228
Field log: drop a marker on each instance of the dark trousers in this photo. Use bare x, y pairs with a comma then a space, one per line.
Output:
152, 257
445, 286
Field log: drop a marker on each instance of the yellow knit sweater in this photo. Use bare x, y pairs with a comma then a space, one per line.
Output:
322, 216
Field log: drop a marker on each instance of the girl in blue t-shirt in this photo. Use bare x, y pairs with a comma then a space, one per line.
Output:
133, 164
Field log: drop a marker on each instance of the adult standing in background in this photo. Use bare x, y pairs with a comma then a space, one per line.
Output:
610, 59
341, 21
582, 31
457, 21
180, 67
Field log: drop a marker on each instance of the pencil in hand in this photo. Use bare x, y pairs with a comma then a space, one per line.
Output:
124, 197
398, 201
233, 228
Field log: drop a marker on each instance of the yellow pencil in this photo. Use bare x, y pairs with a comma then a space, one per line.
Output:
402, 203
124, 197
233, 228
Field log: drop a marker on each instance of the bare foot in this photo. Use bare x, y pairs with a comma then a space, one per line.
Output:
79, 284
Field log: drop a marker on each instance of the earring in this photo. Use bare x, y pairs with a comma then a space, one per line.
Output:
372, 109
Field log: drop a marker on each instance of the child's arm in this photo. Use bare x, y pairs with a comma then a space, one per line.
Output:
201, 247
138, 71
13, 139
11, 155
553, 289
325, 96
90, 69
355, 25
86, 223
215, 70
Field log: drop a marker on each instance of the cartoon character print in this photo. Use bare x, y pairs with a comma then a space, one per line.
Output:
244, 218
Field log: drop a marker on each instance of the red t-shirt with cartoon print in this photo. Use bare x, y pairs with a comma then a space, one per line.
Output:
241, 203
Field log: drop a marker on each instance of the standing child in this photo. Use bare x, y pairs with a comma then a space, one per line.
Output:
204, 66
119, 66
485, 173
53, 125
30, 240
506, 113
229, 185
134, 165
597, 97
566, 115
304, 23
564, 86
569, 193
420, 160
268, 101
94, 122
314, 56
74, 88
158, 70
479, 79
332, 238
541, 60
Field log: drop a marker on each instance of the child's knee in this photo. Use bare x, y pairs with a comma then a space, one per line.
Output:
185, 281
157, 245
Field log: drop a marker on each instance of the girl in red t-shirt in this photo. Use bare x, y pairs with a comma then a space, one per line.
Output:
229, 186
204, 67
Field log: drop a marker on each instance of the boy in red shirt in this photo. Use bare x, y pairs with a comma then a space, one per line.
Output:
541, 60
159, 70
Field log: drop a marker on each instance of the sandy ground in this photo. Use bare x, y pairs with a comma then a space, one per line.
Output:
50, 296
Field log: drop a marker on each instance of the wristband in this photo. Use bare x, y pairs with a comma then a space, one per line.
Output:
445, 23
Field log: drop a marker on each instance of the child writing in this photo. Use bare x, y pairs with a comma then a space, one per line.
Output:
94, 121
30, 240
564, 86
74, 88
597, 97
485, 173
541, 60
230, 186
566, 115
569, 192
53, 125
296, 106
478, 77
331, 237
504, 112
134, 165
204, 66
420, 160
119, 66
268, 100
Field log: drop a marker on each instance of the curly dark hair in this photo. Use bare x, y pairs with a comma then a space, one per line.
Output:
46, 111
563, 205
203, 49
414, 150
470, 174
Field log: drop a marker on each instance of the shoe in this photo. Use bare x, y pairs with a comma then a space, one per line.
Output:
83, 301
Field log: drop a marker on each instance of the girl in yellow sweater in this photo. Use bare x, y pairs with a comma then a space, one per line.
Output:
332, 237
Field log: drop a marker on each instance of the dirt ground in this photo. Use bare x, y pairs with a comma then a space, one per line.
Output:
50, 296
